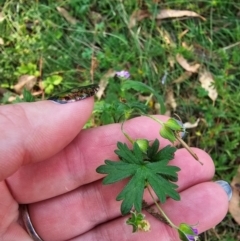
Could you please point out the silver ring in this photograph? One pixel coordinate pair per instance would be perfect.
(28, 224)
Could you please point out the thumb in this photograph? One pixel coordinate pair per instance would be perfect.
(32, 132)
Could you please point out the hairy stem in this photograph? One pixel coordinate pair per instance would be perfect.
(160, 210)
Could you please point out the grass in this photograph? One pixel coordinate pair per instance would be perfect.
(61, 52)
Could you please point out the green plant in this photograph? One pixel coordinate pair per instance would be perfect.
(29, 69)
(35, 32)
(147, 167)
(50, 82)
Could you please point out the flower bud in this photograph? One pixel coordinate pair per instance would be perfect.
(187, 232)
(143, 144)
(167, 133)
(173, 125)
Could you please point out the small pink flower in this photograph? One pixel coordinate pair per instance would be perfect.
(123, 74)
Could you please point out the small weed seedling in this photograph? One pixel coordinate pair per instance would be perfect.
(147, 166)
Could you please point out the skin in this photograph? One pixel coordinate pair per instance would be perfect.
(46, 161)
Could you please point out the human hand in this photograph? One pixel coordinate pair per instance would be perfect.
(47, 163)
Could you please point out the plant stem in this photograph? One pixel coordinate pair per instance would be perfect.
(126, 135)
(188, 148)
(148, 100)
(155, 119)
(179, 139)
(160, 210)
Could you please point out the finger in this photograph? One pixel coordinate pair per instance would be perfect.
(32, 132)
(76, 164)
(204, 204)
(9, 228)
(96, 203)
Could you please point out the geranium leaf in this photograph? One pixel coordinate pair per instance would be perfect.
(166, 153)
(143, 168)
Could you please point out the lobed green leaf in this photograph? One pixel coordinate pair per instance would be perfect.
(132, 193)
(167, 153)
(116, 171)
(127, 155)
(150, 167)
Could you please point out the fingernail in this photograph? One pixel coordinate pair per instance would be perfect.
(75, 94)
(226, 187)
